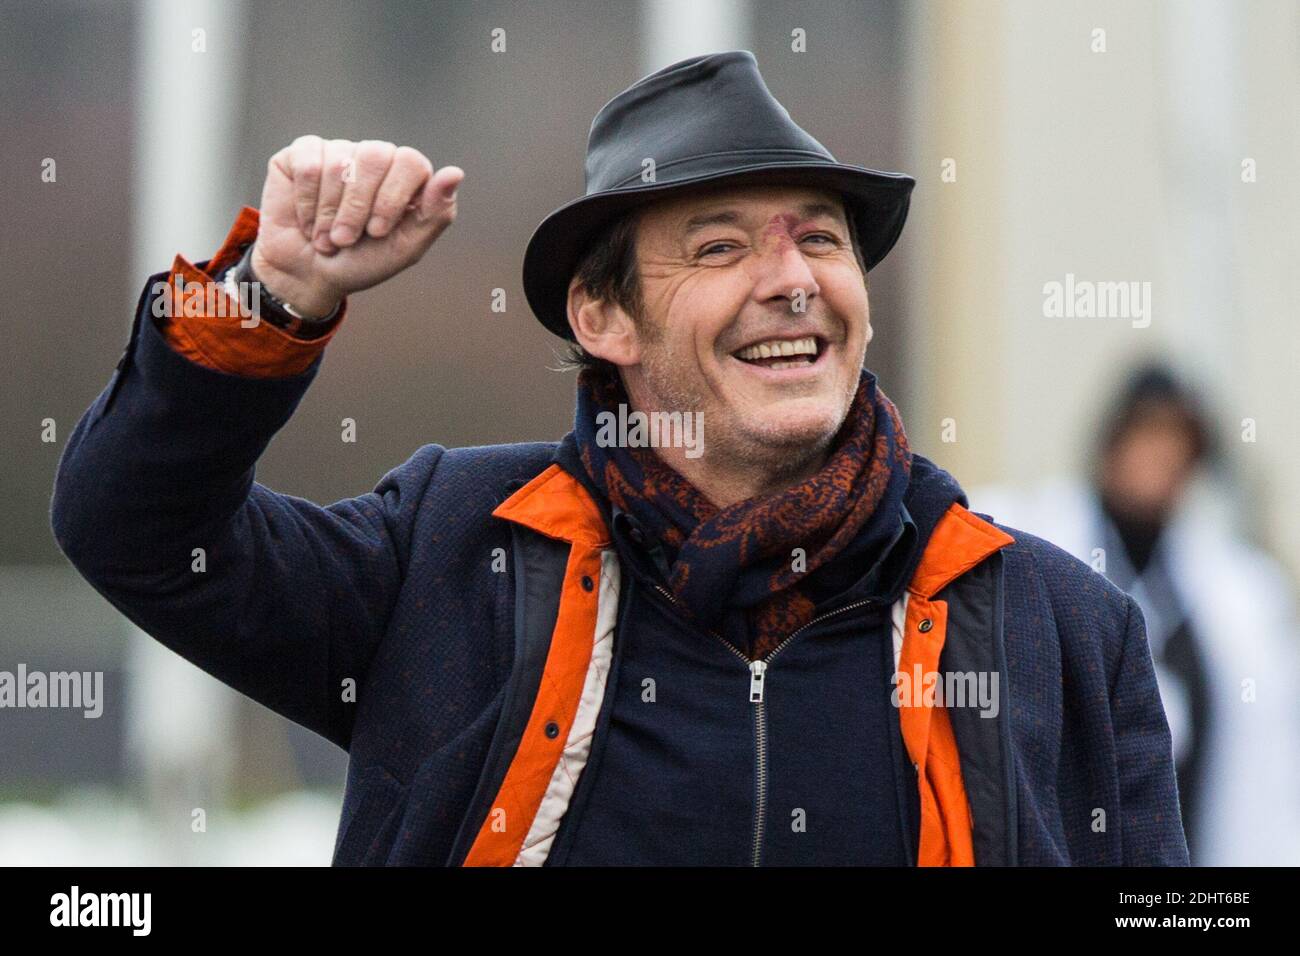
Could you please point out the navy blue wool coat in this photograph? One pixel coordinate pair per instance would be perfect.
(402, 591)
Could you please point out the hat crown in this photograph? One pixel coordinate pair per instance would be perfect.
(707, 120)
(705, 106)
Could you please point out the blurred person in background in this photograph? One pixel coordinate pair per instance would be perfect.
(1219, 612)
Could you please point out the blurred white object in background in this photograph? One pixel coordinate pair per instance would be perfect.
(96, 827)
(180, 742)
(181, 730)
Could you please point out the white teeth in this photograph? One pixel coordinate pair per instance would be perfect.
(780, 348)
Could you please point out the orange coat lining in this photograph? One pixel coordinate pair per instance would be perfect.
(219, 341)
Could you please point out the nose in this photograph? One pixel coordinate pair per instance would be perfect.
(780, 272)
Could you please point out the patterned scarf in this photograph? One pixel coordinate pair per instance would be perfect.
(743, 556)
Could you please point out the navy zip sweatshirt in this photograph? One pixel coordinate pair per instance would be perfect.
(688, 768)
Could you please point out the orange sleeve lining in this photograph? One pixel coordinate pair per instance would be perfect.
(215, 337)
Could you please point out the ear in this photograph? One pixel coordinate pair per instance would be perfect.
(602, 328)
(871, 332)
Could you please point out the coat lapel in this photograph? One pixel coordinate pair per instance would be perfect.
(566, 594)
(951, 622)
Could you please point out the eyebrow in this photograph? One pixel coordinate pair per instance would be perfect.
(730, 217)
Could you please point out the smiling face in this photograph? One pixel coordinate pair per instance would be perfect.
(755, 313)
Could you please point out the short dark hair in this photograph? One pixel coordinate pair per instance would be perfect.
(608, 271)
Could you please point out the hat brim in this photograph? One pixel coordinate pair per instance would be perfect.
(879, 200)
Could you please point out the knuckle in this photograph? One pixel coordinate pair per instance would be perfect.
(338, 156)
(396, 192)
(307, 162)
(375, 147)
(388, 205)
(354, 204)
(374, 156)
(408, 156)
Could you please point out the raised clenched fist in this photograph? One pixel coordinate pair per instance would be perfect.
(339, 216)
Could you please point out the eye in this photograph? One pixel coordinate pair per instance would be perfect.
(714, 247)
(822, 235)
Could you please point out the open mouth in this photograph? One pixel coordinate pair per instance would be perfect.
(778, 354)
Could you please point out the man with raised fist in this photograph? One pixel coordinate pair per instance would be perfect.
(729, 619)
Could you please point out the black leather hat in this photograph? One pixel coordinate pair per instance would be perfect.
(706, 119)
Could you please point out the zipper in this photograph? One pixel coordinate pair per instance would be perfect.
(757, 685)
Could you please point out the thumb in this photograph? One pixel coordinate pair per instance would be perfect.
(438, 198)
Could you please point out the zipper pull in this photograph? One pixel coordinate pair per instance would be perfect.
(756, 669)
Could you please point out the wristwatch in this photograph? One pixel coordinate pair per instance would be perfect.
(268, 306)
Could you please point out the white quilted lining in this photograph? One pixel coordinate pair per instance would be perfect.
(898, 617)
(559, 792)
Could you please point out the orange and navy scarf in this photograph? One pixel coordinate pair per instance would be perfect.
(743, 556)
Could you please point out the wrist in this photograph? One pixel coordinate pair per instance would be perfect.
(312, 304)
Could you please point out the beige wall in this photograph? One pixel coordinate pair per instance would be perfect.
(1122, 165)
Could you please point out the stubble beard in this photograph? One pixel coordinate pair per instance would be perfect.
(771, 453)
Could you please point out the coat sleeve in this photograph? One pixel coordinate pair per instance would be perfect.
(156, 505)
(194, 323)
(1150, 818)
